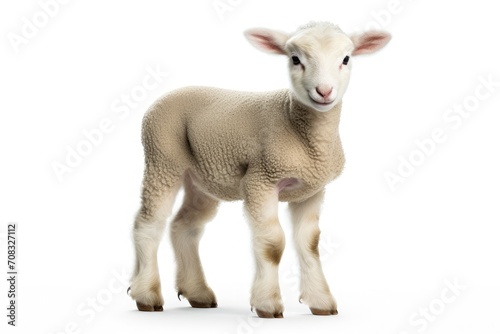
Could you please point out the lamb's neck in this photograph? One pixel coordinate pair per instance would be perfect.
(315, 128)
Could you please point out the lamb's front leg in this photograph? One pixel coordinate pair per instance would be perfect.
(313, 286)
(261, 205)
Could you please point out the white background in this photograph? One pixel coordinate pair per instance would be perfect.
(387, 254)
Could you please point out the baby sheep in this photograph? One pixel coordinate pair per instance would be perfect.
(261, 148)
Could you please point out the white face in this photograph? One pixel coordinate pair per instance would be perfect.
(319, 59)
(319, 65)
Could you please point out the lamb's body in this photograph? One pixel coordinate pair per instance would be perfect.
(223, 137)
(261, 148)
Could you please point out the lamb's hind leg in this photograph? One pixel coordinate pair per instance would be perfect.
(313, 287)
(158, 194)
(185, 232)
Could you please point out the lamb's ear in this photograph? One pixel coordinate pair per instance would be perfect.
(369, 42)
(267, 40)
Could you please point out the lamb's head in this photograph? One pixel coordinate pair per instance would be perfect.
(319, 58)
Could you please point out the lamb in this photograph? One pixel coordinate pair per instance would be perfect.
(259, 147)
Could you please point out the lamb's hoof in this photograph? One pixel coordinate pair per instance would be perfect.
(205, 299)
(149, 308)
(196, 304)
(316, 311)
(264, 314)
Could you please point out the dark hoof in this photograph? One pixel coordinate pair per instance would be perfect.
(316, 311)
(196, 304)
(268, 315)
(149, 308)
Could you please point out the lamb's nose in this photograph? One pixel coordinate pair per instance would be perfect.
(324, 91)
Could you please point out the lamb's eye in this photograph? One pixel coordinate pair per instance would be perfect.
(346, 60)
(295, 60)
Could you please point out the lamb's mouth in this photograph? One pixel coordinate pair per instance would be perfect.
(324, 104)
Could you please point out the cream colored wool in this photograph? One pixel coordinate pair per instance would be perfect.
(257, 147)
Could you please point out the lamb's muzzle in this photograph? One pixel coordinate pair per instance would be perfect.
(261, 148)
